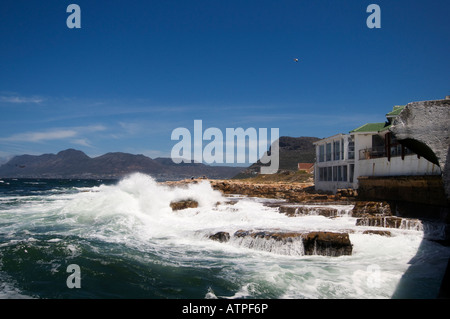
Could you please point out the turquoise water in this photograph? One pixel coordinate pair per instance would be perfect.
(128, 243)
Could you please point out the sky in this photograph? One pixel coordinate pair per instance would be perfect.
(137, 70)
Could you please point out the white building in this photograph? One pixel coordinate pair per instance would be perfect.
(369, 150)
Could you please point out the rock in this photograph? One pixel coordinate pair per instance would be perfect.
(183, 204)
(347, 192)
(299, 210)
(390, 222)
(220, 236)
(327, 244)
(424, 128)
(277, 236)
(320, 197)
(378, 232)
(290, 192)
(362, 209)
(314, 243)
(380, 221)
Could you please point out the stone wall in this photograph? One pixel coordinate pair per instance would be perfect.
(427, 189)
(409, 196)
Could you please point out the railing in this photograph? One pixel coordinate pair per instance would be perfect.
(380, 151)
(373, 152)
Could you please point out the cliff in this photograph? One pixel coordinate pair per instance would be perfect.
(424, 128)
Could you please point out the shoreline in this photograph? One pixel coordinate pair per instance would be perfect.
(291, 192)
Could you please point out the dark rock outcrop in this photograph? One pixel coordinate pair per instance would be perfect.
(424, 128)
(313, 243)
(183, 204)
(327, 244)
(221, 236)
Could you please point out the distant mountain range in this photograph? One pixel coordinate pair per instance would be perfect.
(73, 163)
(76, 164)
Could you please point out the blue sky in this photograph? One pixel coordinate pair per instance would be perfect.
(137, 70)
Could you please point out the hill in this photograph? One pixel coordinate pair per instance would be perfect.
(72, 163)
(292, 150)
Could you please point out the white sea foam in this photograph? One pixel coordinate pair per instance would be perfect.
(136, 213)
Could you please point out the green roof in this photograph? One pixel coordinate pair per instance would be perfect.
(370, 127)
(396, 110)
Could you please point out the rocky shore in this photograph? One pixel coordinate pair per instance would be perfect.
(298, 199)
(290, 192)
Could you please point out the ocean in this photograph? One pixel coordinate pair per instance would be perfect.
(126, 242)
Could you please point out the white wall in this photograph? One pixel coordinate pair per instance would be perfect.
(411, 165)
(333, 186)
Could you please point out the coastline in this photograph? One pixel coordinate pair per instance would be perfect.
(291, 192)
(369, 212)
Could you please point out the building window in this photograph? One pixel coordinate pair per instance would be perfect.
(351, 172)
(337, 150)
(334, 173)
(323, 174)
(351, 149)
(328, 152)
(342, 149)
(321, 153)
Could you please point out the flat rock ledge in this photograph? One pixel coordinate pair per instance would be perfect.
(183, 204)
(390, 222)
(385, 233)
(302, 210)
(371, 208)
(314, 243)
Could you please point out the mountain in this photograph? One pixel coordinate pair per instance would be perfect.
(72, 163)
(292, 150)
(76, 164)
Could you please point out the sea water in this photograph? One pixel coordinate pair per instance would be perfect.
(129, 243)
